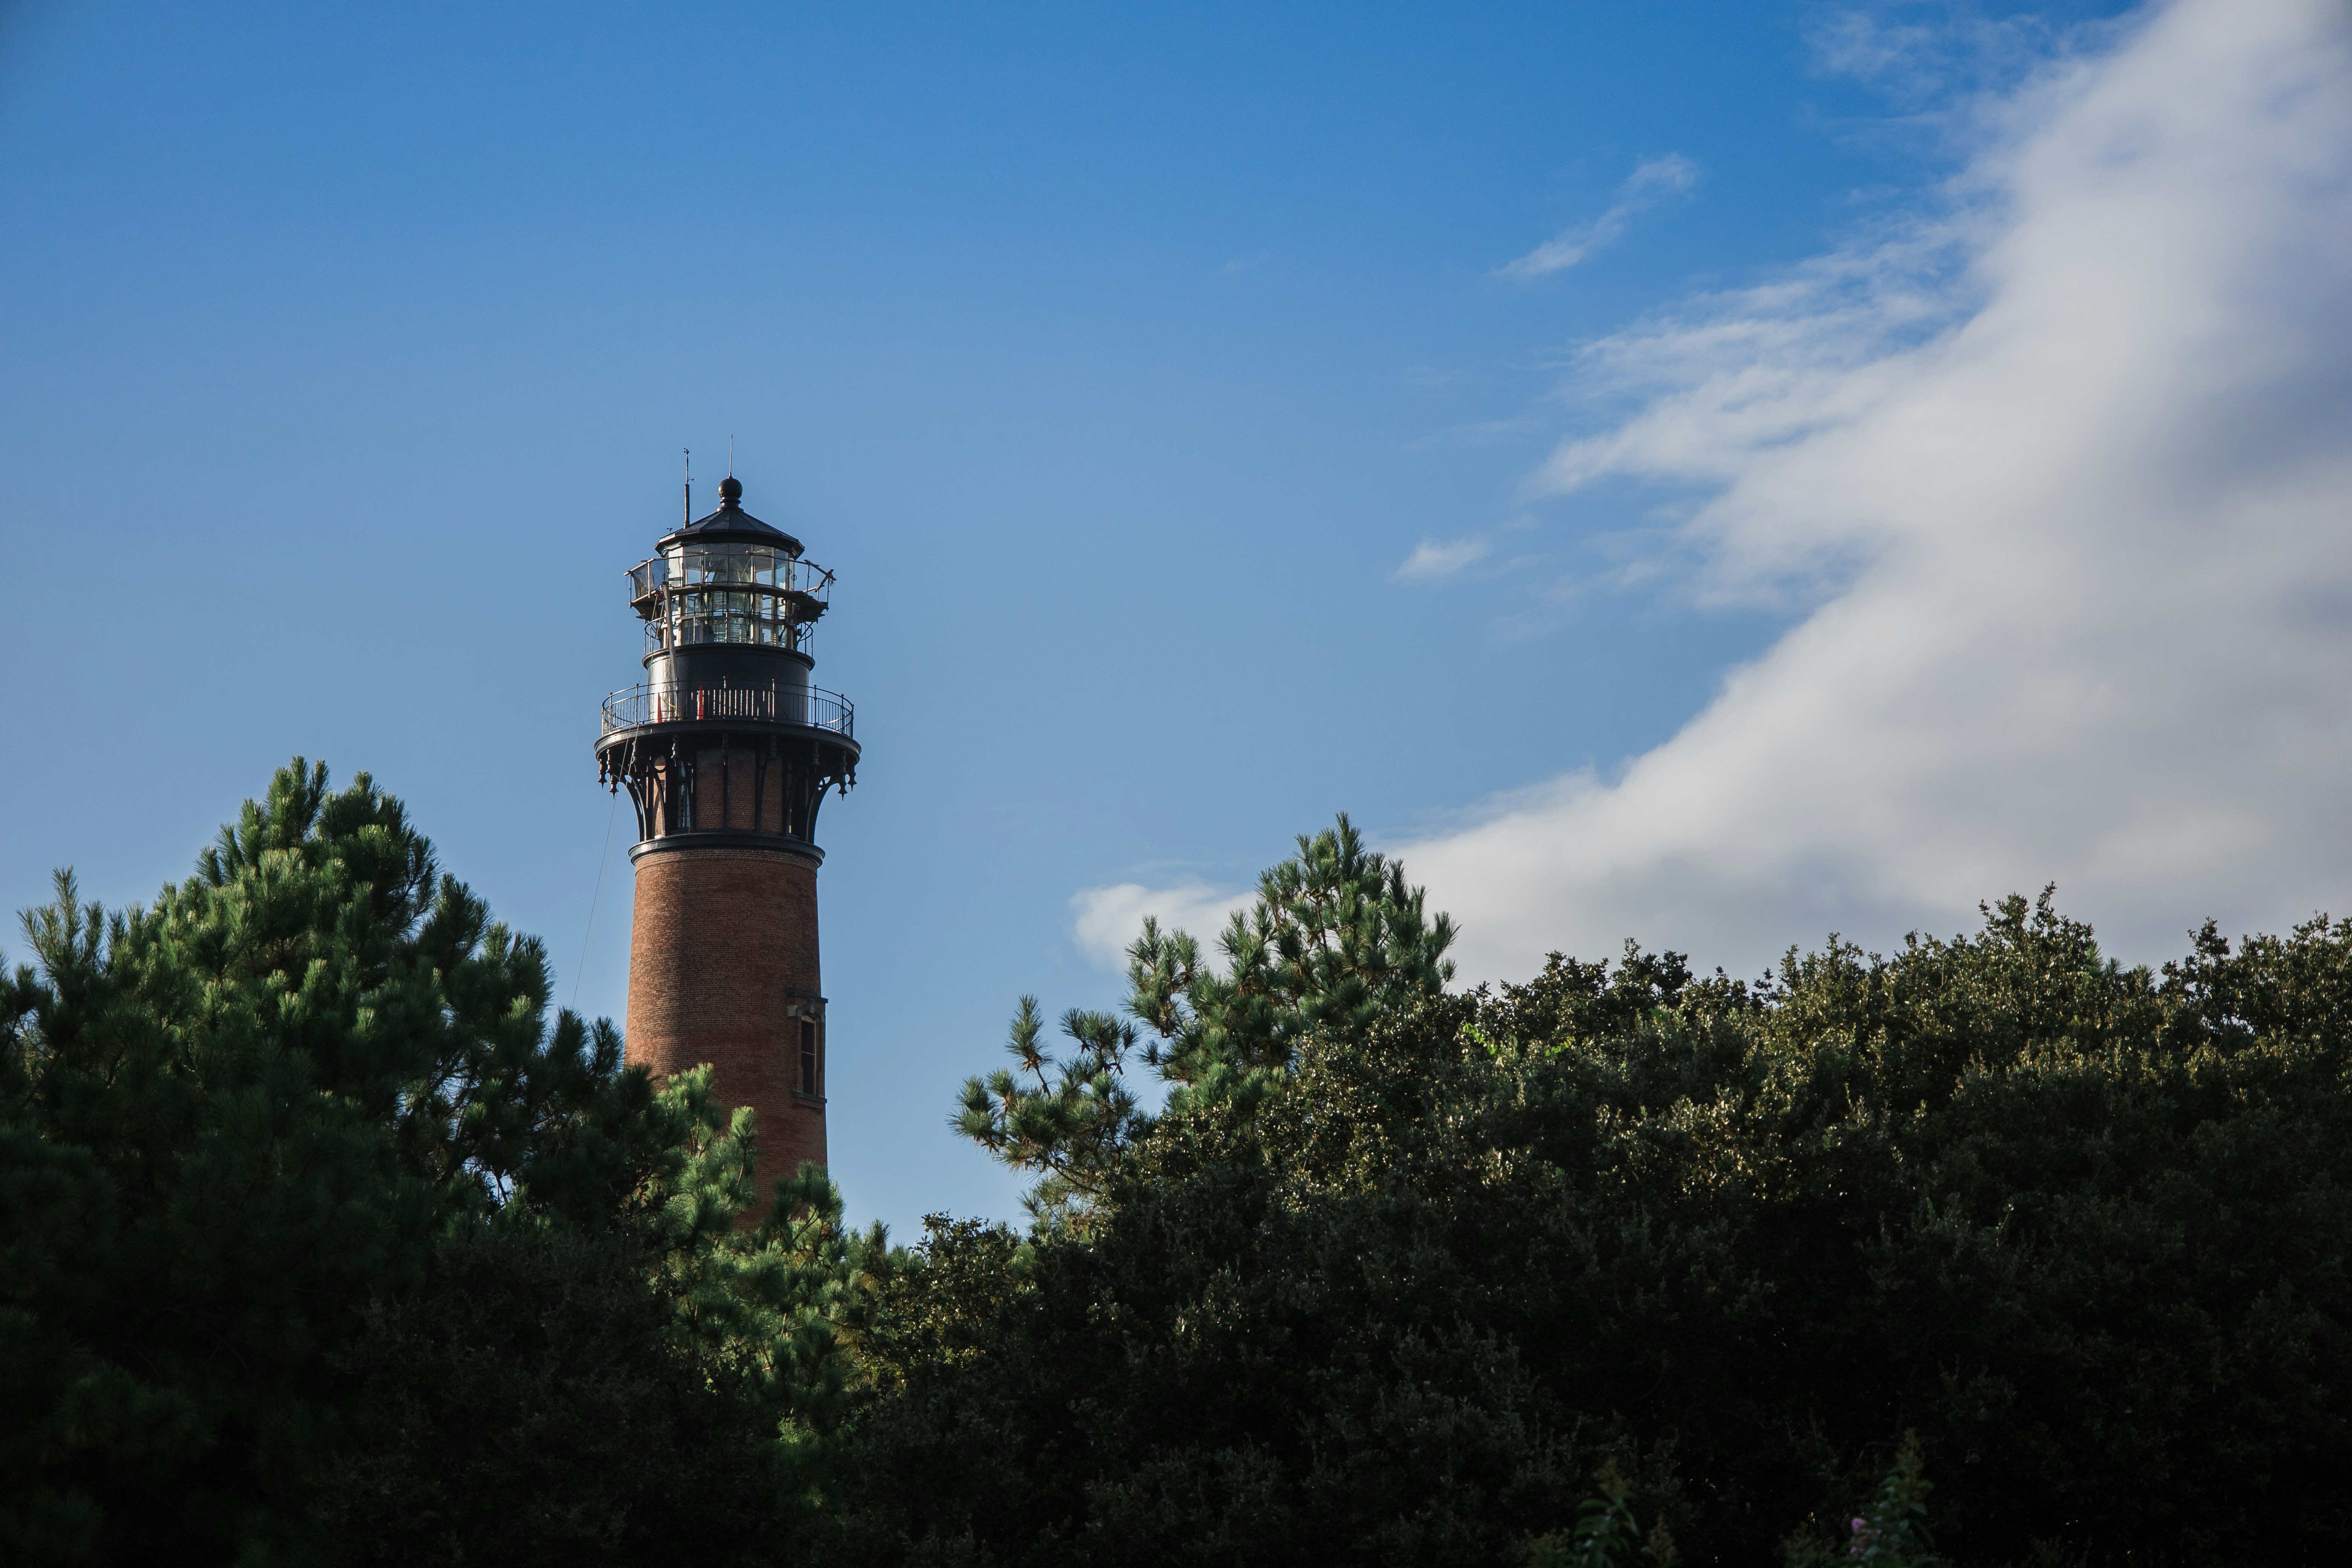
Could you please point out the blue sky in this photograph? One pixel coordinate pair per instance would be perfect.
(1124, 363)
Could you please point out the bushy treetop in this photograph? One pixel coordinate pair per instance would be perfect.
(236, 1123)
(2082, 1227)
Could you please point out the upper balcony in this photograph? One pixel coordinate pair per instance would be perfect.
(764, 702)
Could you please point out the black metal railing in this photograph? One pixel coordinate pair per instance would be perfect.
(768, 702)
(728, 566)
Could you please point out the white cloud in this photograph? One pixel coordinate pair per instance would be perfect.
(2067, 476)
(1920, 57)
(1106, 919)
(1434, 562)
(1651, 182)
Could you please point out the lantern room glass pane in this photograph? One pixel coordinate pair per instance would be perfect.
(728, 563)
(726, 592)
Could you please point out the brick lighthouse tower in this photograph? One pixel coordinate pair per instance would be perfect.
(727, 752)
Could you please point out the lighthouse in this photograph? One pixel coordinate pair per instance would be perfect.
(727, 751)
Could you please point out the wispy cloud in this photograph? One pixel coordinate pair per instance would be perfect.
(1651, 183)
(2061, 470)
(1434, 560)
(1918, 56)
(1106, 919)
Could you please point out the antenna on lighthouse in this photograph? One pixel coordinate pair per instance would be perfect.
(690, 481)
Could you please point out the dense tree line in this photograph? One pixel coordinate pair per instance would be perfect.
(1391, 1278)
(321, 1240)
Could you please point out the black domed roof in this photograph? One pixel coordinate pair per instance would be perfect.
(730, 524)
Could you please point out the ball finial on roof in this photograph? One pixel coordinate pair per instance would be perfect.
(731, 491)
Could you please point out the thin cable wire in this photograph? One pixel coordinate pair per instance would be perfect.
(579, 970)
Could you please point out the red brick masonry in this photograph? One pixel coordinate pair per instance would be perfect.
(722, 957)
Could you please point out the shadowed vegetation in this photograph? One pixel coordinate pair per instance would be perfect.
(322, 1239)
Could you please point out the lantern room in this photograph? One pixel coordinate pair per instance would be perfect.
(728, 580)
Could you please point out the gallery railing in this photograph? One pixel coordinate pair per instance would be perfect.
(773, 702)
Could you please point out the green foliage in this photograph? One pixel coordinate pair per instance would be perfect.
(1604, 1535)
(1892, 1532)
(238, 1129)
(664, 1385)
(934, 1306)
(319, 1237)
(764, 1306)
(532, 1404)
(2082, 1227)
(1335, 939)
(1070, 1126)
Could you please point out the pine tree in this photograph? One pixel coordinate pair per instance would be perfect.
(662, 1388)
(234, 1123)
(1335, 938)
(1067, 1120)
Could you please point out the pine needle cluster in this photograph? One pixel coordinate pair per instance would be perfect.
(1335, 938)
